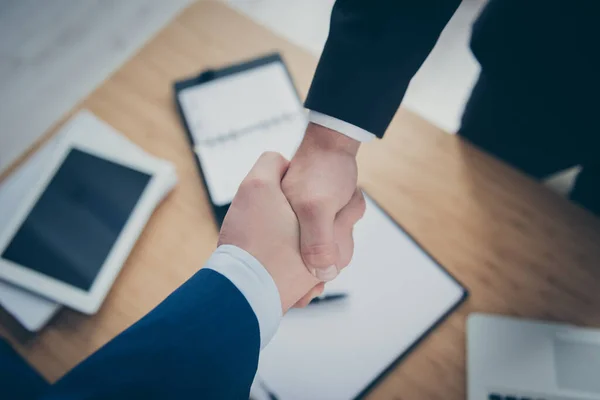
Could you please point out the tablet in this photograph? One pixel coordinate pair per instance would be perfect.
(71, 235)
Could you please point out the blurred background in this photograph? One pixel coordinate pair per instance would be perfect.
(54, 53)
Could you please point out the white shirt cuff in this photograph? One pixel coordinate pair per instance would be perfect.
(254, 282)
(343, 127)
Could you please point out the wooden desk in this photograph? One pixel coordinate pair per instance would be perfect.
(520, 249)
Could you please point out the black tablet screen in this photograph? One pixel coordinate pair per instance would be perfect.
(77, 219)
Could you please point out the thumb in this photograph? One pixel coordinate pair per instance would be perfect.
(317, 242)
(269, 168)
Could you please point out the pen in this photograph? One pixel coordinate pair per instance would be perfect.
(328, 297)
(271, 395)
(260, 391)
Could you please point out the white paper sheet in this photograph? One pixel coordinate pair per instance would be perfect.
(234, 119)
(31, 310)
(335, 350)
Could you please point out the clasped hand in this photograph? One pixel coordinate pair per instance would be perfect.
(297, 218)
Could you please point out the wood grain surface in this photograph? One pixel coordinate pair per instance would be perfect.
(519, 248)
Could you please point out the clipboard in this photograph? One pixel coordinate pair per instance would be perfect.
(273, 358)
(213, 77)
(398, 294)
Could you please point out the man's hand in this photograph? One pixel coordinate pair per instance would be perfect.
(320, 184)
(261, 221)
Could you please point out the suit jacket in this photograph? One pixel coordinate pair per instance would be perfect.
(202, 342)
(543, 51)
(17, 379)
(373, 50)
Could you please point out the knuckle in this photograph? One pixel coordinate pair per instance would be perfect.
(347, 253)
(286, 185)
(345, 220)
(254, 183)
(271, 159)
(268, 154)
(273, 155)
(362, 202)
(320, 255)
(362, 206)
(314, 206)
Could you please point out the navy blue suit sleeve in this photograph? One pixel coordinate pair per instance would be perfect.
(373, 50)
(18, 380)
(202, 342)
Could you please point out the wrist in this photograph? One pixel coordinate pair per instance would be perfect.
(326, 139)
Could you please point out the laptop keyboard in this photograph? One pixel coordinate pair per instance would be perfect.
(495, 396)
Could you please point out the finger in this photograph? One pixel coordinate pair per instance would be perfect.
(317, 240)
(307, 298)
(345, 242)
(353, 211)
(344, 226)
(269, 168)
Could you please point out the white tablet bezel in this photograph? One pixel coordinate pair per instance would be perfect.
(85, 301)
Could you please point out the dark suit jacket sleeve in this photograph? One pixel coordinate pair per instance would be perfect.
(18, 380)
(373, 50)
(202, 342)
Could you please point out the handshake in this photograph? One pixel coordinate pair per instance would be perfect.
(297, 217)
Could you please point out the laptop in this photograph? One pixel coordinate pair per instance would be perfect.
(518, 359)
